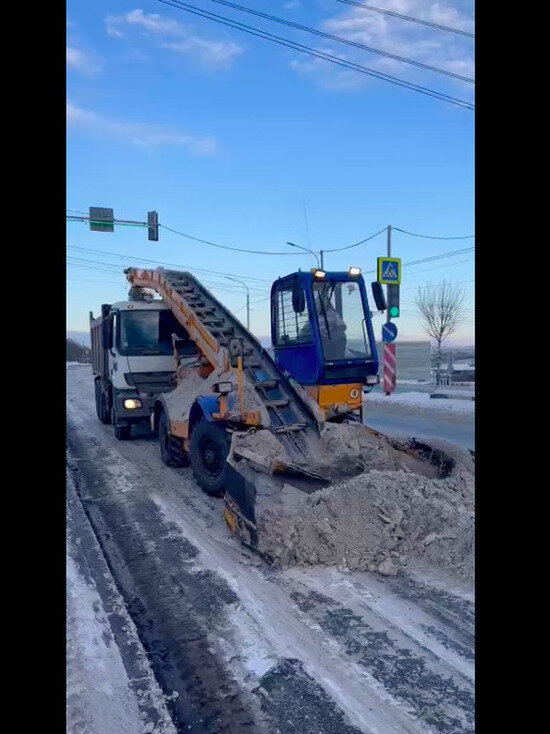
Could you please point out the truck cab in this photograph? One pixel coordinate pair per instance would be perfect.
(133, 359)
(321, 332)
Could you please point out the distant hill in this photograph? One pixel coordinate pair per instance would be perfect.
(80, 337)
(77, 352)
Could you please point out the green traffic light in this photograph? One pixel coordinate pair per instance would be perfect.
(394, 311)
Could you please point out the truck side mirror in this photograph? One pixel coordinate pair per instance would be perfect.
(236, 350)
(298, 299)
(379, 297)
(107, 333)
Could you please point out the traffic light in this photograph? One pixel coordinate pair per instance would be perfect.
(393, 301)
(153, 226)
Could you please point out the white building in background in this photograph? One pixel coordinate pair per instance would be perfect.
(413, 360)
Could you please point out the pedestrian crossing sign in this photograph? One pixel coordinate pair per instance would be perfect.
(389, 270)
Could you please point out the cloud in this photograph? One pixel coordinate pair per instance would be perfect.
(81, 61)
(335, 77)
(137, 133)
(171, 34)
(410, 40)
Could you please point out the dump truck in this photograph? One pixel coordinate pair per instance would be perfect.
(255, 428)
(132, 361)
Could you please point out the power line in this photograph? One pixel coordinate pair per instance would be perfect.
(316, 53)
(226, 247)
(440, 256)
(433, 237)
(88, 280)
(158, 262)
(409, 17)
(438, 267)
(339, 39)
(213, 286)
(348, 247)
(112, 269)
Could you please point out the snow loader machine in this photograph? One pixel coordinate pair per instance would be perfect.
(251, 425)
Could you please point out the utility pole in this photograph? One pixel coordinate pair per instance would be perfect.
(322, 260)
(388, 317)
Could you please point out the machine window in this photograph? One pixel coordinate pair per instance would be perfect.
(291, 327)
(341, 319)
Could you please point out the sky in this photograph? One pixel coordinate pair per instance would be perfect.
(249, 144)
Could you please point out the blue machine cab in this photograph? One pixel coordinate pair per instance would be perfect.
(321, 332)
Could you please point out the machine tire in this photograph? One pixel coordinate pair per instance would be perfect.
(103, 413)
(168, 455)
(208, 450)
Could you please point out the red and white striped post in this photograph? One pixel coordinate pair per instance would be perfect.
(390, 368)
(389, 361)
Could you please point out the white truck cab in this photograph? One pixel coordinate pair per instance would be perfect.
(133, 362)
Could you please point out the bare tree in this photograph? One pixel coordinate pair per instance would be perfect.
(441, 310)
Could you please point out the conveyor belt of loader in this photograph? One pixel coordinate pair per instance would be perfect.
(292, 420)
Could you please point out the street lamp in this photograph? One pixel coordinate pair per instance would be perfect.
(319, 264)
(241, 282)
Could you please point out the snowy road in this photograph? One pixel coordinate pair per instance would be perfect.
(400, 420)
(233, 644)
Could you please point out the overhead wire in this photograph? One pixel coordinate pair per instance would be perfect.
(410, 18)
(225, 247)
(339, 39)
(433, 237)
(356, 244)
(112, 269)
(251, 30)
(158, 262)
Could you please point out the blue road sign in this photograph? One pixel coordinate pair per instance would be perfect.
(389, 332)
(389, 270)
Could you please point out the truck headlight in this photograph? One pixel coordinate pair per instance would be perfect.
(354, 271)
(132, 403)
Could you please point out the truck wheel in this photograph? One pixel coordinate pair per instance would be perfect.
(123, 433)
(208, 450)
(103, 413)
(169, 453)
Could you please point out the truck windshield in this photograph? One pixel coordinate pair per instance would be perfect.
(143, 332)
(342, 320)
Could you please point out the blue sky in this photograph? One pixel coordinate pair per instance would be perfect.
(242, 142)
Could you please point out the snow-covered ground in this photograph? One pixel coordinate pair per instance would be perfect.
(102, 696)
(245, 647)
(99, 699)
(422, 401)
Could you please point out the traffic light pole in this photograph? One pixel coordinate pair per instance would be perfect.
(102, 219)
(388, 317)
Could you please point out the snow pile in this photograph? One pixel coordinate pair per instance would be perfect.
(344, 450)
(378, 520)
